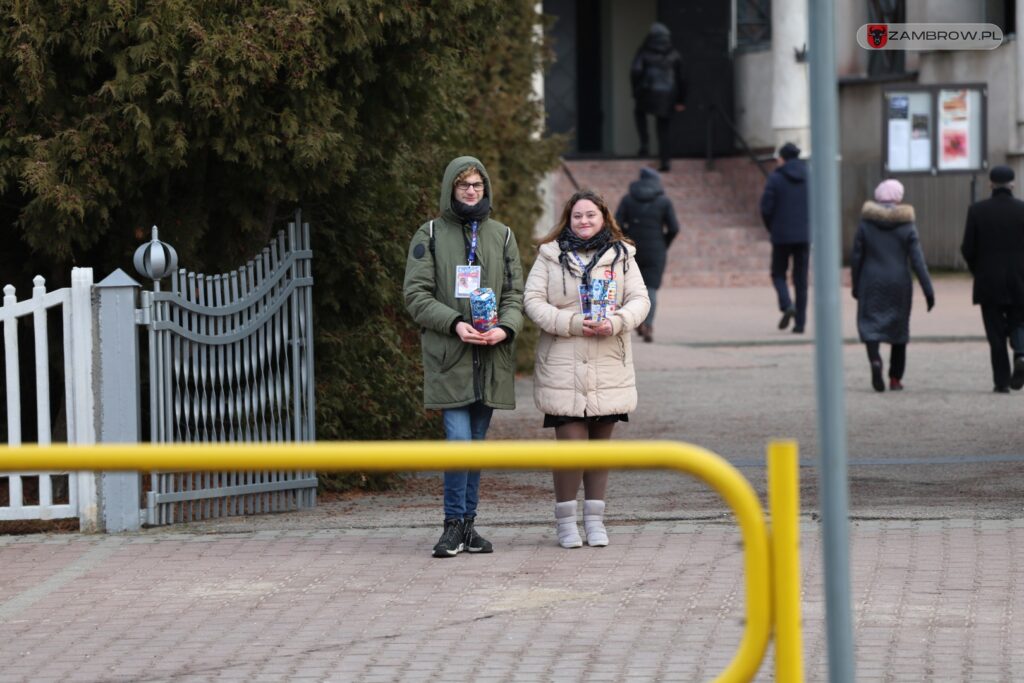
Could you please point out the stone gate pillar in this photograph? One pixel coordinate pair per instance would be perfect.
(117, 396)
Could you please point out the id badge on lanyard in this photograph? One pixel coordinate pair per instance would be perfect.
(467, 278)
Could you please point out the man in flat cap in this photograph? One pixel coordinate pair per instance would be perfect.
(993, 247)
(784, 211)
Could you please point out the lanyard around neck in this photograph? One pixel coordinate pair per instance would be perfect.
(472, 242)
(586, 267)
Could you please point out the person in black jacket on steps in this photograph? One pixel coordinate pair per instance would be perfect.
(659, 89)
(646, 216)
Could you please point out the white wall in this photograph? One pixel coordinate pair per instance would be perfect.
(945, 11)
(753, 89)
(938, 12)
(851, 58)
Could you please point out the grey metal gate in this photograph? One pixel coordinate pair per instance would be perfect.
(230, 359)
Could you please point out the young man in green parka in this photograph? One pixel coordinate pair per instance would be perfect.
(467, 373)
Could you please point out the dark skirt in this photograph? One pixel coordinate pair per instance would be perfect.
(559, 420)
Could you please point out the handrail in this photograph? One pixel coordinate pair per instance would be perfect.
(568, 173)
(715, 109)
(439, 455)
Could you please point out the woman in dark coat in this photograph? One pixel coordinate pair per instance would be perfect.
(648, 218)
(886, 241)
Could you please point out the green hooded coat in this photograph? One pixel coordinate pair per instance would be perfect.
(458, 374)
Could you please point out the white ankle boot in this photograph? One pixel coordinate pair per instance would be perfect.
(593, 522)
(568, 532)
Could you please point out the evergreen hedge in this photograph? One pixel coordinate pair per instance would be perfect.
(215, 119)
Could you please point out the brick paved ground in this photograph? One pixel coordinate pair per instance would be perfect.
(932, 601)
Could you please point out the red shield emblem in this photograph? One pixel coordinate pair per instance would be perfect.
(878, 35)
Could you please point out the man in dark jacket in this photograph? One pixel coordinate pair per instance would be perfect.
(993, 247)
(646, 216)
(784, 210)
(467, 372)
(658, 88)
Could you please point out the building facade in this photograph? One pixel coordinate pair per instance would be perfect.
(747, 60)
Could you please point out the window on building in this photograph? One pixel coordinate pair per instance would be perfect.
(887, 62)
(753, 22)
(1003, 14)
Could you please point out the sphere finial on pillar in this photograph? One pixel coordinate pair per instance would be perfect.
(155, 259)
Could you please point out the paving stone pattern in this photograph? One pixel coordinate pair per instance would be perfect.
(932, 601)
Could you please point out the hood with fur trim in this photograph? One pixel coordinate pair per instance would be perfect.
(887, 215)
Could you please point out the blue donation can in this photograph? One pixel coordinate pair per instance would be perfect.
(484, 306)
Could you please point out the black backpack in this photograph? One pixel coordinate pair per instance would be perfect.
(659, 77)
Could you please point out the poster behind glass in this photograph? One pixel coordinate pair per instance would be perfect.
(908, 119)
(959, 141)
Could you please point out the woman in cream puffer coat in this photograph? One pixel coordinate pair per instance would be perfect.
(583, 376)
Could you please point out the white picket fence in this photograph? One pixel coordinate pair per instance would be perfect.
(55, 495)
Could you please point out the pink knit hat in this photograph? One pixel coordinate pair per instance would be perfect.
(889, 192)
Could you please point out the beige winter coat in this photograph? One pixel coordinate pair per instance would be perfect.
(576, 375)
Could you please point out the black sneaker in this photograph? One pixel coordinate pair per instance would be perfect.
(1017, 379)
(450, 544)
(472, 541)
(787, 317)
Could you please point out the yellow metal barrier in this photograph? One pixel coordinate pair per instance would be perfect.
(784, 504)
(441, 455)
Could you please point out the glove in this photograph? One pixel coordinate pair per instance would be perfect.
(930, 298)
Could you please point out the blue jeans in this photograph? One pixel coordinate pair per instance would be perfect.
(462, 488)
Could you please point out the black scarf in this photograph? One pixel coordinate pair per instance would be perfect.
(478, 212)
(568, 241)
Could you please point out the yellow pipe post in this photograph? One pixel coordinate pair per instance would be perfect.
(440, 455)
(784, 504)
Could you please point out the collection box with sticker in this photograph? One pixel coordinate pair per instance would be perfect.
(484, 307)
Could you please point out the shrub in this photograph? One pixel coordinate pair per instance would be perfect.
(215, 120)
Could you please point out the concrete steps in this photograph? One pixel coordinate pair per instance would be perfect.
(722, 242)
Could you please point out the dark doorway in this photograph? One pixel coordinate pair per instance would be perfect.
(700, 31)
(586, 91)
(590, 117)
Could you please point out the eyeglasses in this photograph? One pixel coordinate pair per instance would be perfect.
(465, 186)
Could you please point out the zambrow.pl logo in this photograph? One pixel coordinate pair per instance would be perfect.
(929, 36)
